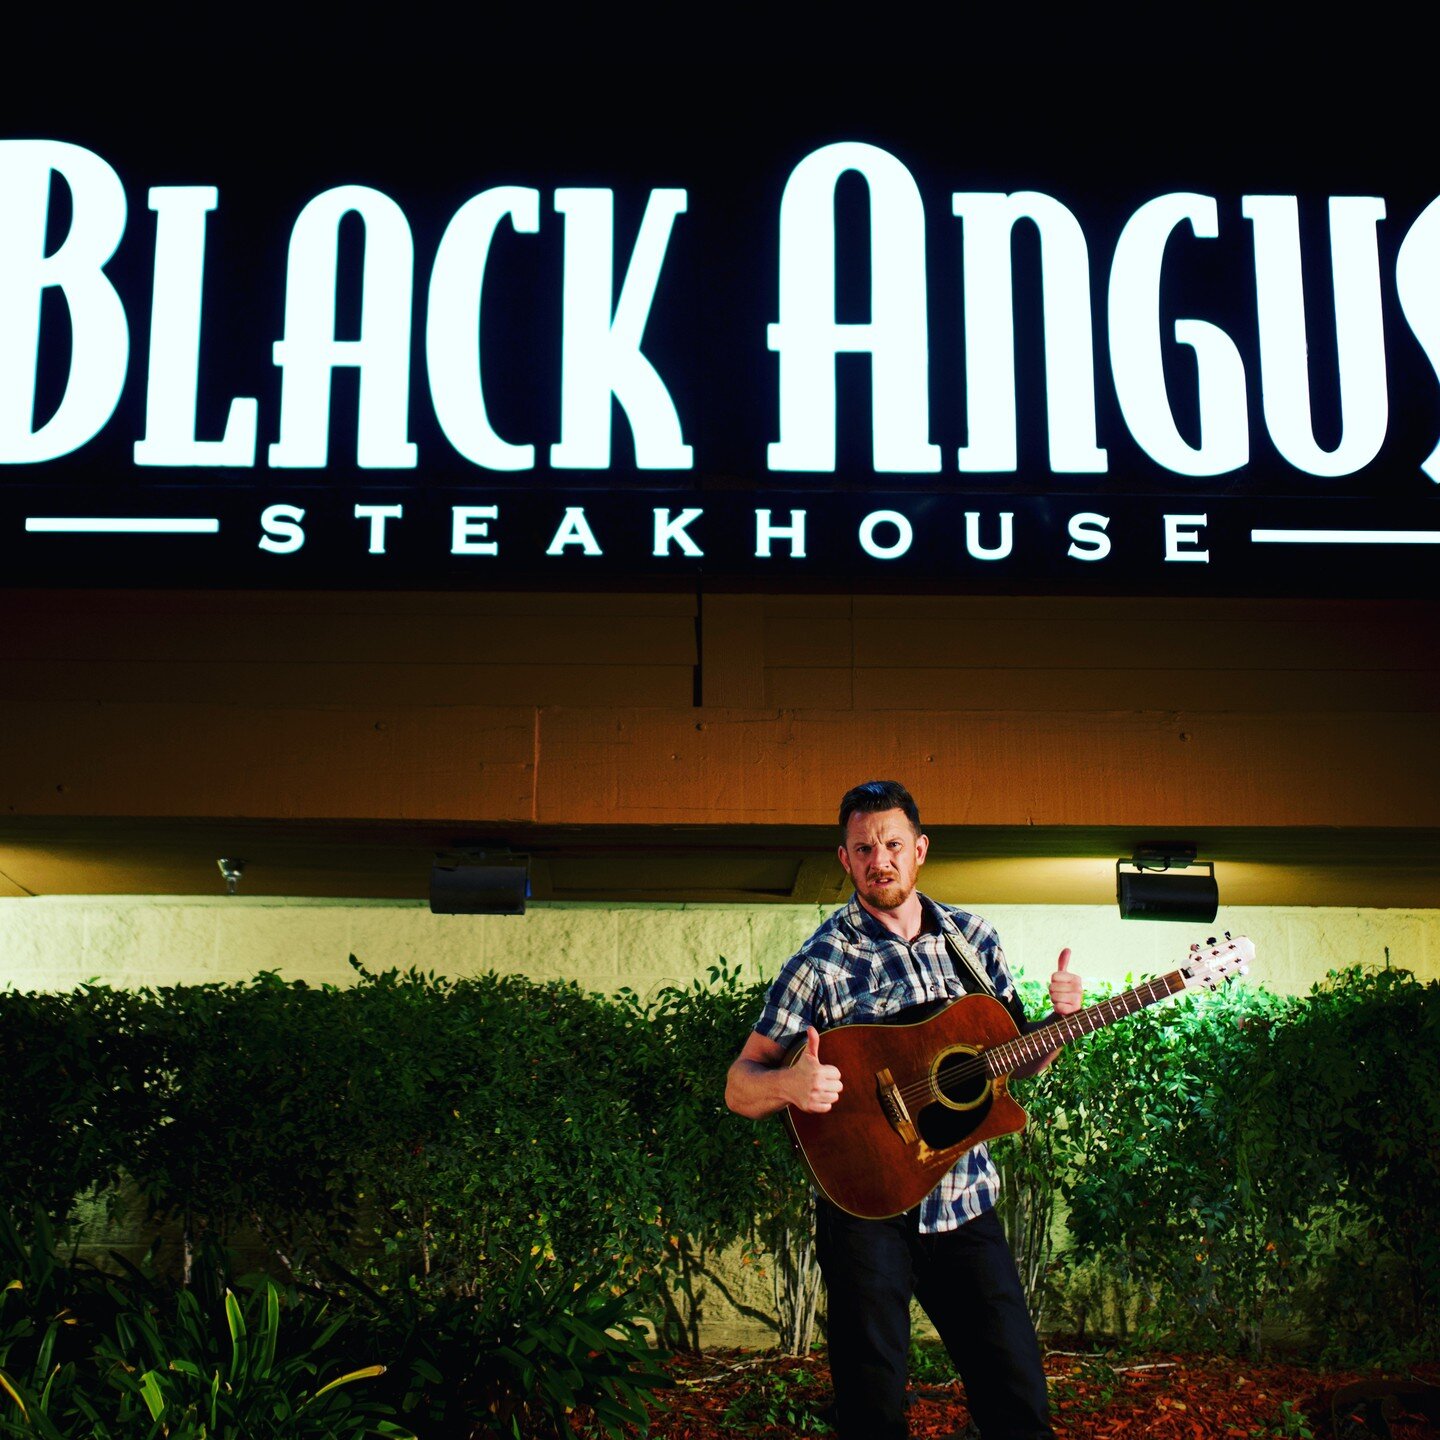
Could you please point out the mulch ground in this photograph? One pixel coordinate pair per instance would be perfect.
(1098, 1397)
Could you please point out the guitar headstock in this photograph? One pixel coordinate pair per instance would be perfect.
(1209, 965)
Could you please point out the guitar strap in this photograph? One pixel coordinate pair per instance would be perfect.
(976, 978)
(968, 965)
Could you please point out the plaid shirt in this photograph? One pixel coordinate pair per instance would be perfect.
(854, 969)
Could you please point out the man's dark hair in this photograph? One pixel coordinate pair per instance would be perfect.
(874, 796)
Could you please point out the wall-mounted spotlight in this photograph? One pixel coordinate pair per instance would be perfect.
(1153, 889)
(479, 882)
(230, 873)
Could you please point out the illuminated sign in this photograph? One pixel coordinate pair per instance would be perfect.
(1020, 403)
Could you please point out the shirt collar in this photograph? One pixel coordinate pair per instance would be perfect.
(865, 925)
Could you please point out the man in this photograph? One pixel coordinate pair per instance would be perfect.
(890, 948)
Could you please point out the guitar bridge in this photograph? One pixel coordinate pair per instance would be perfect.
(893, 1104)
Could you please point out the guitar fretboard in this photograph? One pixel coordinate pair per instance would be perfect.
(1036, 1044)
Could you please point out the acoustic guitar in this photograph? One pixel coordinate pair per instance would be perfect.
(924, 1088)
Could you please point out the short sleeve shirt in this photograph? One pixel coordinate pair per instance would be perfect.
(853, 969)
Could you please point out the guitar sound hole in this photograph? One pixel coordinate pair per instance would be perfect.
(961, 1078)
(967, 1096)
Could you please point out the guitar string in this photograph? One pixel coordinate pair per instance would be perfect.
(1103, 1013)
(1033, 1044)
(1067, 1027)
(977, 1066)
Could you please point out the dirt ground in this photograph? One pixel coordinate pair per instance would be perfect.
(1093, 1395)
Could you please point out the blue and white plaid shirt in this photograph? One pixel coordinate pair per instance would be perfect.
(854, 969)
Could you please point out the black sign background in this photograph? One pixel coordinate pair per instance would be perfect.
(732, 147)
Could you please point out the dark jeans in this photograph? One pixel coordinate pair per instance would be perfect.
(965, 1280)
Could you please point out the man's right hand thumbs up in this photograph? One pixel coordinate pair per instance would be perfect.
(816, 1086)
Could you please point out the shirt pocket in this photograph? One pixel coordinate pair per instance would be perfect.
(841, 991)
(881, 994)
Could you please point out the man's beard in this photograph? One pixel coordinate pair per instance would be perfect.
(887, 894)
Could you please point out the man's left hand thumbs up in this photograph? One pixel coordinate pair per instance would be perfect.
(1065, 986)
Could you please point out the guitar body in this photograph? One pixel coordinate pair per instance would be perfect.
(916, 1097)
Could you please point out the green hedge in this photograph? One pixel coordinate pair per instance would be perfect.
(1220, 1167)
(1246, 1164)
(429, 1132)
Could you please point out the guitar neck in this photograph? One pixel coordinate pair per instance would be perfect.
(1045, 1039)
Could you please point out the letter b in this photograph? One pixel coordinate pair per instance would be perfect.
(100, 349)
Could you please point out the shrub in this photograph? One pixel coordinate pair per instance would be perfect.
(721, 1180)
(1248, 1160)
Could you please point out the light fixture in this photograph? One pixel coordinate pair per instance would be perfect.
(1152, 890)
(230, 873)
(479, 882)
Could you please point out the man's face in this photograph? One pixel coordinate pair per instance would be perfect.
(882, 854)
